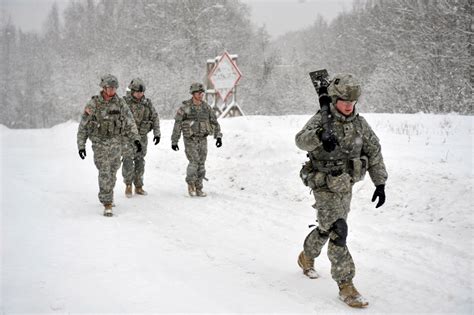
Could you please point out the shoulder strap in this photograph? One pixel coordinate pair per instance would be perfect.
(96, 112)
(358, 120)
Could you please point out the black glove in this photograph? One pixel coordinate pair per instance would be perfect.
(82, 153)
(329, 141)
(175, 147)
(219, 142)
(156, 139)
(138, 145)
(379, 192)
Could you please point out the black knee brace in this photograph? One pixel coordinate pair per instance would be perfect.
(340, 229)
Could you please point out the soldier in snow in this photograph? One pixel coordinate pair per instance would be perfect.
(106, 119)
(146, 119)
(336, 163)
(196, 119)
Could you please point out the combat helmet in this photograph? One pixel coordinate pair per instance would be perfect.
(137, 85)
(196, 87)
(109, 80)
(345, 87)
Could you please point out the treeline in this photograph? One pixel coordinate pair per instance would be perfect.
(48, 77)
(411, 55)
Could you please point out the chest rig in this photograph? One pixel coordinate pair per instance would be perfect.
(196, 121)
(106, 119)
(347, 157)
(141, 112)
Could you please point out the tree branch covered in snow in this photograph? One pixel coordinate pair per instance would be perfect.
(412, 56)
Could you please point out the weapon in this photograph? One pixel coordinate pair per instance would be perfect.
(320, 80)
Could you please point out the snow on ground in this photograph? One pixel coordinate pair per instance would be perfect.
(235, 251)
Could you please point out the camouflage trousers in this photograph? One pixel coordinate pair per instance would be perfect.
(331, 207)
(196, 152)
(133, 167)
(107, 161)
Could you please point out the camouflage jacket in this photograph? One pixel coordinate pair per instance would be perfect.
(145, 115)
(195, 121)
(356, 139)
(105, 122)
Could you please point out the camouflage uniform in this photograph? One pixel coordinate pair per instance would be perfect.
(146, 119)
(333, 175)
(105, 123)
(196, 123)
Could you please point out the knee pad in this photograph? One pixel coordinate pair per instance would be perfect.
(340, 229)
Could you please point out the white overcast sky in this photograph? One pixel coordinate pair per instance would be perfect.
(279, 16)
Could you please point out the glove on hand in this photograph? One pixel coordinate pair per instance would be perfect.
(82, 153)
(379, 192)
(329, 141)
(175, 147)
(138, 145)
(156, 139)
(219, 142)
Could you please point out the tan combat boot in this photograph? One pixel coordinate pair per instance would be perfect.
(307, 264)
(200, 193)
(128, 191)
(108, 210)
(191, 190)
(140, 191)
(349, 295)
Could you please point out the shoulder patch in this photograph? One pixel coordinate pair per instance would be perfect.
(87, 110)
(180, 111)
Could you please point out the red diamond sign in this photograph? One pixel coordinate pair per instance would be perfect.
(225, 76)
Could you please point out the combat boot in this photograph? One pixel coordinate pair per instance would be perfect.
(307, 264)
(108, 210)
(192, 190)
(200, 193)
(128, 191)
(349, 295)
(140, 191)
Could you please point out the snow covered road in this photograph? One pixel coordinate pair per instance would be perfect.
(235, 251)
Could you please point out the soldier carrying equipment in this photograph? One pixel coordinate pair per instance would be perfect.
(342, 147)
